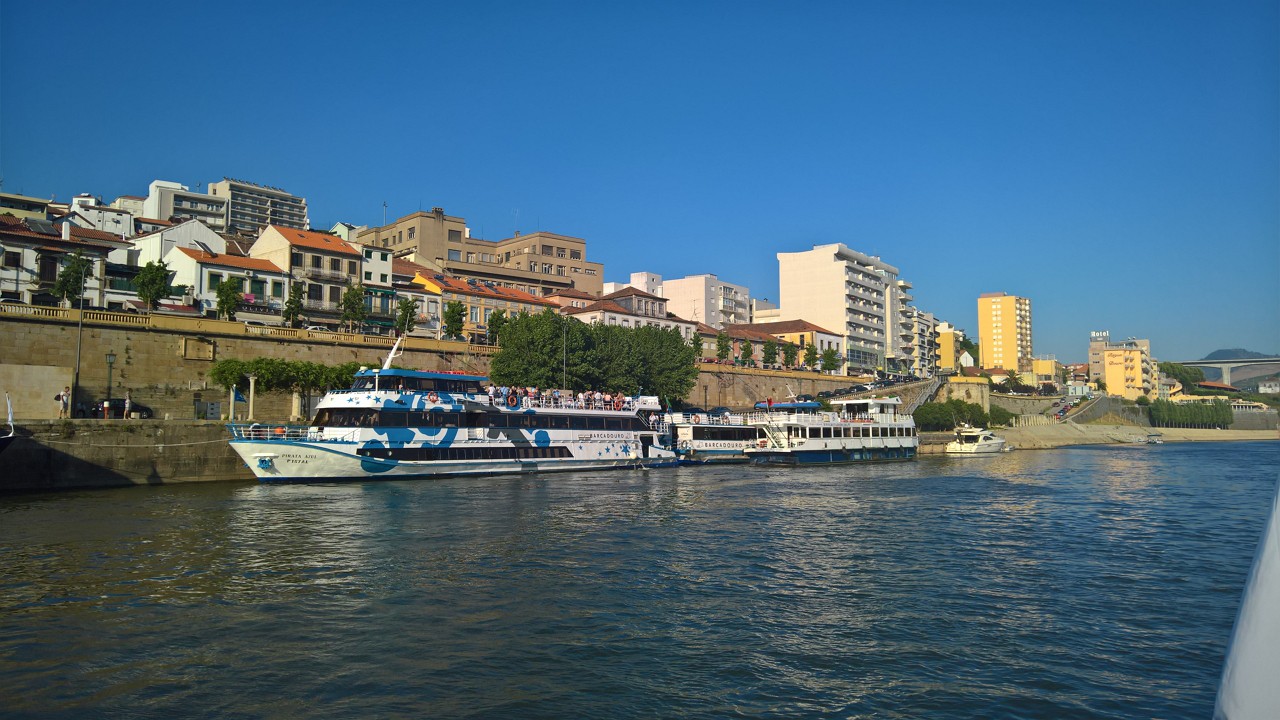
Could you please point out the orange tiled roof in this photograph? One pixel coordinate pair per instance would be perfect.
(316, 240)
(600, 306)
(573, 293)
(400, 266)
(785, 326)
(479, 289)
(235, 261)
(629, 292)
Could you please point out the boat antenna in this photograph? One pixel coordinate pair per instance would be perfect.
(393, 354)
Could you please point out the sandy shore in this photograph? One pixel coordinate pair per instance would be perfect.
(1064, 434)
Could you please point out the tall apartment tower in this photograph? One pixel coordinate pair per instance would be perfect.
(1004, 331)
(251, 207)
(858, 296)
(707, 299)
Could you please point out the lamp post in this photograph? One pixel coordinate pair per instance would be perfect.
(75, 378)
(106, 405)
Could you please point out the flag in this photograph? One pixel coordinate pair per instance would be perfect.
(240, 396)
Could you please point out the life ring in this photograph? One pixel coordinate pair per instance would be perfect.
(763, 443)
(512, 400)
(697, 419)
(617, 403)
(279, 430)
(433, 397)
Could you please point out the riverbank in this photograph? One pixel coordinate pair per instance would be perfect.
(1044, 437)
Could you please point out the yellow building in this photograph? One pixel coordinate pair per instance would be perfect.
(1004, 329)
(1129, 372)
(1046, 370)
(948, 349)
(479, 300)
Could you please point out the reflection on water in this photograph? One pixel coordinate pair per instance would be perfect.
(1037, 584)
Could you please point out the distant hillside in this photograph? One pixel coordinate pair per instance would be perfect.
(1236, 354)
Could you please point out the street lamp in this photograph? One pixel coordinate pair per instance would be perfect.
(75, 378)
(106, 405)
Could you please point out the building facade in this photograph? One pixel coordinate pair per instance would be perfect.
(539, 263)
(480, 300)
(1004, 331)
(1125, 367)
(252, 207)
(168, 200)
(707, 298)
(855, 294)
(325, 264)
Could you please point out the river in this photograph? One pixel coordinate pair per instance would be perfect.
(1082, 582)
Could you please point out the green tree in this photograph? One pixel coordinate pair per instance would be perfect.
(724, 346)
(497, 321)
(454, 319)
(229, 297)
(789, 354)
(1143, 400)
(748, 353)
(1000, 416)
(830, 360)
(1188, 376)
(69, 285)
(544, 350)
(292, 311)
(406, 315)
(769, 353)
(811, 356)
(152, 283)
(354, 310)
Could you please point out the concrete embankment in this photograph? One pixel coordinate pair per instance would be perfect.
(64, 454)
(1066, 434)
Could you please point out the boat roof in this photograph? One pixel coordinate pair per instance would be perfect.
(402, 372)
(894, 400)
(803, 405)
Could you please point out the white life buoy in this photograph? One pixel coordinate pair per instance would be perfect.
(697, 419)
(433, 397)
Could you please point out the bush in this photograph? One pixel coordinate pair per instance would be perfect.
(1000, 416)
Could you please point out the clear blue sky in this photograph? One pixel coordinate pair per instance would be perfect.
(1118, 163)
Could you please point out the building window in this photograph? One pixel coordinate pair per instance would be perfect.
(471, 257)
(315, 292)
(12, 259)
(368, 275)
(368, 254)
(277, 288)
(382, 277)
(547, 250)
(215, 279)
(475, 314)
(455, 255)
(335, 265)
(455, 236)
(352, 269)
(560, 270)
(335, 294)
(575, 254)
(412, 232)
(317, 262)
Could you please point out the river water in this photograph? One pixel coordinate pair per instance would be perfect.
(1084, 582)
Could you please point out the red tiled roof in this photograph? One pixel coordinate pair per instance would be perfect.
(479, 289)
(235, 261)
(81, 233)
(400, 266)
(629, 292)
(315, 240)
(573, 293)
(151, 221)
(1209, 385)
(600, 306)
(785, 326)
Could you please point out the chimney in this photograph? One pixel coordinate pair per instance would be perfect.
(66, 230)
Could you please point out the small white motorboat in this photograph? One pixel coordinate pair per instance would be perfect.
(976, 441)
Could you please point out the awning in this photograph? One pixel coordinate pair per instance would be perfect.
(379, 291)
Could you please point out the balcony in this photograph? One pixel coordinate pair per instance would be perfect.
(323, 274)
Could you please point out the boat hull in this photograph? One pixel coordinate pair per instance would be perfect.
(766, 456)
(274, 461)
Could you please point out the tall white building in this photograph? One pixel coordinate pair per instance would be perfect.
(707, 299)
(860, 295)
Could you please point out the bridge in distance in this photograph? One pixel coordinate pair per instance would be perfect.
(1227, 365)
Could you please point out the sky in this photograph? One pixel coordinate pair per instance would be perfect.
(1118, 163)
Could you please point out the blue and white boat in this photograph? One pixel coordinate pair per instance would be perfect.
(859, 430)
(395, 424)
(706, 438)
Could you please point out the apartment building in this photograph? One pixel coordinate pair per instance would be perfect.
(920, 346)
(33, 251)
(88, 211)
(1004, 331)
(252, 207)
(167, 200)
(480, 300)
(263, 285)
(631, 307)
(538, 263)
(948, 352)
(851, 293)
(326, 265)
(706, 298)
(1125, 366)
(23, 206)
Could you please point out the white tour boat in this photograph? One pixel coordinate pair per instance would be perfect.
(859, 430)
(395, 423)
(702, 438)
(975, 441)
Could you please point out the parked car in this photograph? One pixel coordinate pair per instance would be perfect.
(319, 328)
(719, 410)
(117, 409)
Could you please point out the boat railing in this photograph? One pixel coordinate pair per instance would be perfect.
(285, 433)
